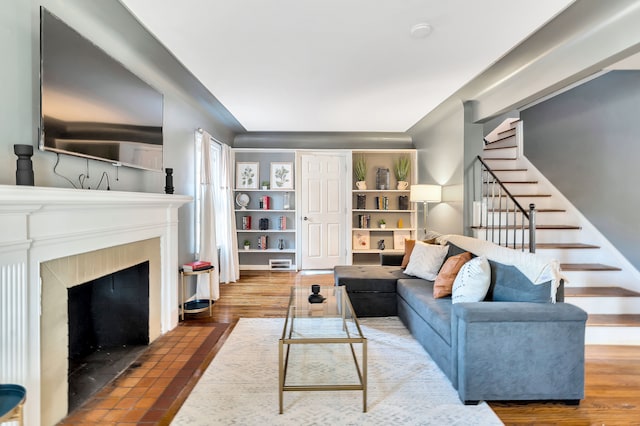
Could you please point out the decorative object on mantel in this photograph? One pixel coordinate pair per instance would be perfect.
(286, 203)
(380, 244)
(24, 165)
(401, 170)
(403, 202)
(168, 189)
(360, 172)
(242, 200)
(382, 179)
(247, 244)
(382, 223)
(361, 201)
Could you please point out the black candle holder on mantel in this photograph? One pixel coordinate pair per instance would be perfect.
(168, 189)
(24, 165)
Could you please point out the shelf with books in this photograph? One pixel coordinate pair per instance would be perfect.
(381, 213)
(265, 201)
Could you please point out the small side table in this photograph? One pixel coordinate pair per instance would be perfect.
(195, 306)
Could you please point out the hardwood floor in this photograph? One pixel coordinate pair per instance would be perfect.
(612, 372)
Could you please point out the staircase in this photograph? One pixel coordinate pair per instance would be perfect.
(599, 279)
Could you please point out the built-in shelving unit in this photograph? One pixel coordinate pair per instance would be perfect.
(381, 201)
(280, 229)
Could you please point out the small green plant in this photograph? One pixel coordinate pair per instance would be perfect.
(247, 243)
(265, 183)
(360, 168)
(401, 168)
(382, 222)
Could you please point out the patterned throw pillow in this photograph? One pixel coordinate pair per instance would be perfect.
(426, 260)
(472, 282)
(443, 285)
(408, 248)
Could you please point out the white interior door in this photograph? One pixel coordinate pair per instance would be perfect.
(323, 210)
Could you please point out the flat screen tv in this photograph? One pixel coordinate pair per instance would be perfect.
(91, 105)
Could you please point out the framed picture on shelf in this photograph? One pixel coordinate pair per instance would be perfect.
(247, 175)
(361, 240)
(398, 239)
(281, 175)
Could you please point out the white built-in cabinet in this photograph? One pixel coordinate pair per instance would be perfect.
(273, 247)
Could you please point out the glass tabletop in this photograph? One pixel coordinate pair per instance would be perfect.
(331, 317)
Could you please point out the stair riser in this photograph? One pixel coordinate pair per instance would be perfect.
(596, 335)
(552, 218)
(542, 236)
(511, 175)
(510, 152)
(595, 279)
(540, 202)
(519, 189)
(606, 305)
(508, 142)
(572, 255)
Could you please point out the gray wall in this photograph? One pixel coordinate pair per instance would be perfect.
(585, 141)
(187, 104)
(439, 140)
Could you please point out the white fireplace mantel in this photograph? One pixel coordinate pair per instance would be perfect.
(39, 224)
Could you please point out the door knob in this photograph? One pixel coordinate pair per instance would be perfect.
(305, 218)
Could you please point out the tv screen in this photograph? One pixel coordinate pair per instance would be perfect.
(91, 105)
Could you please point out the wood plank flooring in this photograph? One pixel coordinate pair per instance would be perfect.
(612, 372)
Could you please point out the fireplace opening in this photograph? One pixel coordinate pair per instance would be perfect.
(108, 329)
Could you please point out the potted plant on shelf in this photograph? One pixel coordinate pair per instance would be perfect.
(382, 223)
(360, 172)
(247, 244)
(401, 168)
(265, 185)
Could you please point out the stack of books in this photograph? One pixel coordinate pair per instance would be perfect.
(197, 265)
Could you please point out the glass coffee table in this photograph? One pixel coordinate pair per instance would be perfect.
(318, 347)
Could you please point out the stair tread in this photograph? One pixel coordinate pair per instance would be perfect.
(538, 227)
(500, 158)
(524, 195)
(509, 170)
(537, 211)
(587, 267)
(493, 148)
(506, 131)
(500, 139)
(513, 181)
(599, 292)
(548, 246)
(614, 320)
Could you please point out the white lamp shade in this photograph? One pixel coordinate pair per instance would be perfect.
(425, 193)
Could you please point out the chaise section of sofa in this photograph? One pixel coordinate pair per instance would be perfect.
(517, 344)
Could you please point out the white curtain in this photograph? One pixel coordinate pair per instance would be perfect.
(227, 240)
(218, 241)
(208, 249)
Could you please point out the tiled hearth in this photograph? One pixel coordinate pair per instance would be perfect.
(40, 225)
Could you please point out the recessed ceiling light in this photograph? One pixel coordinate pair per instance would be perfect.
(421, 30)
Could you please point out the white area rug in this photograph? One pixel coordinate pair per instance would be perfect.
(405, 387)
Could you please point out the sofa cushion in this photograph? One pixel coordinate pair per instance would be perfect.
(508, 284)
(408, 248)
(472, 282)
(426, 260)
(418, 294)
(443, 284)
(367, 278)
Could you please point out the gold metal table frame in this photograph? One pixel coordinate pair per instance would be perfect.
(336, 306)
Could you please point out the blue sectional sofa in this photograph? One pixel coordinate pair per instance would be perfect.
(514, 345)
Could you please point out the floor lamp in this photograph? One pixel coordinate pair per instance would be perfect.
(425, 194)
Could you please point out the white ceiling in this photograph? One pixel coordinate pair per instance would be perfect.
(338, 65)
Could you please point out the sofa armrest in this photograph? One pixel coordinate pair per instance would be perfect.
(391, 259)
(518, 351)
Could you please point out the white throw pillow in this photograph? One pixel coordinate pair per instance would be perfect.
(472, 282)
(426, 260)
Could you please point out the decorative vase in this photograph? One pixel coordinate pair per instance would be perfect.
(315, 296)
(168, 189)
(382, 226)
(402, 185)
(247, 247)
(403, 202)
(361, 185)
(381, 245)
(24, 165)
(361, 201)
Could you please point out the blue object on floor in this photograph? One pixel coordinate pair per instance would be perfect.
(11, 399)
